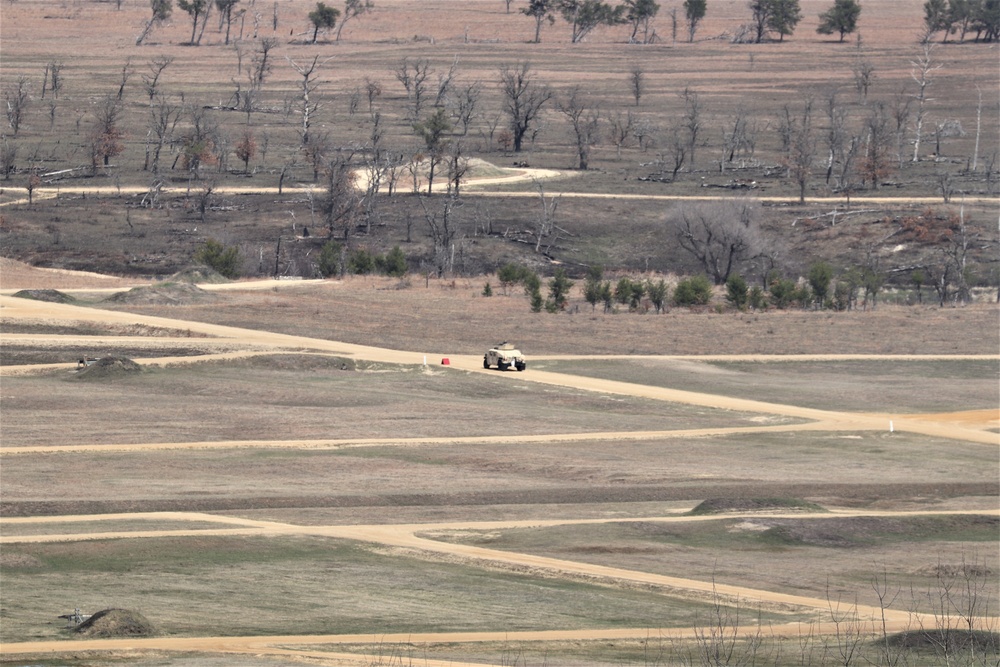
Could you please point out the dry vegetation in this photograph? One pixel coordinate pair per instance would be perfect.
(321, 442)
(115, 233)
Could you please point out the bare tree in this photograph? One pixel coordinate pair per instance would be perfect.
(584, 120)
(620, 130)
(260, 62)
(876, 164)
(523, 99)
(637, 82)
(722, 639)
(308, 72)
(864, 73)
(801, 150)
(52, 77)
(152, 80)
(413, 74)
(740, 140)
(922, 69)
(162, 122)
(8, 157)
(692, 121)
(979, 128)
(106, 137)
(720, 235)
(458, 166)
(373, 90)
(547, 217)
(444, 83)
(340, 205)
(674, 153)
(17, 99)
(443, 231)
(900, 110)
(126, 74)
(465, 105)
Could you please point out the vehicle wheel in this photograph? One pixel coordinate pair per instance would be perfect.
(486, 363)
(501, 366)
(521, 366)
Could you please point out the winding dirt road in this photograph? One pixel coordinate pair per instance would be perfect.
(418, 540)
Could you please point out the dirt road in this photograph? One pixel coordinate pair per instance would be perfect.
(418, 540)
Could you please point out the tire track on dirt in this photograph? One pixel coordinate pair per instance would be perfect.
(38, 310)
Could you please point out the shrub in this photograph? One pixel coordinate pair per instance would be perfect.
(216, 256)
(592, 286)
(487, 289)
(509, 274)
(329, 259)
(736, 291)
(783, 292)
(361, 262)
(820, 275)
(393, 264)
(559, 288)
(657, 293)
(694, 291)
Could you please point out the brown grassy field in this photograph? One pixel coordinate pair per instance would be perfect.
(289, 413)
(114, 233)
(314, 447)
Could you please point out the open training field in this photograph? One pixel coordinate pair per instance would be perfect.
(267, 492)
(273, 472)
(149, 209)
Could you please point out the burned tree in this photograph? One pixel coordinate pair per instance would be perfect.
(523, 99)
(720, 235)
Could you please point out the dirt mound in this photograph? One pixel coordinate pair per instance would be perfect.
(116, 623)
(728, 505)
(167, 293)
(51, 295)
(198, 274)
(948, 641)
(109, 367)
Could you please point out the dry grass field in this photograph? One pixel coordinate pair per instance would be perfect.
(382, 513)
(114, 232)
(286, 481)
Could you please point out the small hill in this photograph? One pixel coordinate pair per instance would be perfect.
(165, 293)
(733, 505)
(116, 623)
(198, 274)
(51, 295)
(109, 367)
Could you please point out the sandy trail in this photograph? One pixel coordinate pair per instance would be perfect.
(472, 188)
(407, 537)
(12, 307)
(414, 539)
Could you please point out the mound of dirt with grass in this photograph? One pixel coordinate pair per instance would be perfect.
(109, 367)
(732, 505)
(947, 642)
(167, 293)
(116, 623)
(51, 295)
(198, 274)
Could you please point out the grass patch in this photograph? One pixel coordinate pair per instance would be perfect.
(864, 386)
(726, 505)
(287, 585)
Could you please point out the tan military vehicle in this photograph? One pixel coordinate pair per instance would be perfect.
(503, 356)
